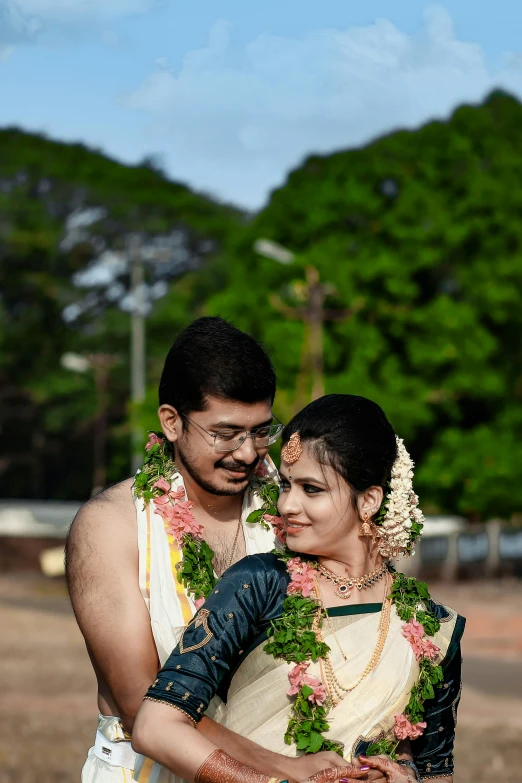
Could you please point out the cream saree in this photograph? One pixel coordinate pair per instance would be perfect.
(258, 706)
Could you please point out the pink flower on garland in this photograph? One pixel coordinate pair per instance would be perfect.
(319, 691)
(154, 440)
(176, 513)
(169, 496)
(414, 632)
(261, 470)
(278, 525)
(199, 602)
(162, 484)
(302, 578)
(181, 521)
(163, 500)
(418, 649)
(296, 677)
(406, 730)
(422, 648)
(430, 650)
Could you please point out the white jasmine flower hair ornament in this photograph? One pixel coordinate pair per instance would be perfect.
(399, 523)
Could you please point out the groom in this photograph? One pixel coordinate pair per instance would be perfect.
(216, 394)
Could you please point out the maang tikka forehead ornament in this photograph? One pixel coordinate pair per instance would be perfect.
(292, 450)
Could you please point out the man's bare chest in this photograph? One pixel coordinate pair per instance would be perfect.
(228, 545)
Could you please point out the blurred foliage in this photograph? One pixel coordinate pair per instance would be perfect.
(421, 231)
(419, 234)
(62, 209)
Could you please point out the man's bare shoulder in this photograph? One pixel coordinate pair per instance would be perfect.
(103, 520)
(103, 533)
(115, 504)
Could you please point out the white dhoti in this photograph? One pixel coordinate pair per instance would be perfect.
(111, 759)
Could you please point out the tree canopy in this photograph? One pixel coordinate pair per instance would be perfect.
(66, 215)
(418, 234)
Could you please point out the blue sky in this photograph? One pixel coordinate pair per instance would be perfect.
(232, 95)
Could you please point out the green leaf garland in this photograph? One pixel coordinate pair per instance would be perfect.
(293, 638)
(267, 491)
(195, 571)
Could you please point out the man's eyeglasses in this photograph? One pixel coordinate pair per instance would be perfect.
(230, 440)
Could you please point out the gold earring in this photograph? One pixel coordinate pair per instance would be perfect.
(365, 527)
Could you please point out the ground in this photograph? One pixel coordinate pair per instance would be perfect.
(48, 698)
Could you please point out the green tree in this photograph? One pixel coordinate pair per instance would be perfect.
(419, 233)
(422, 227)
(62, 207)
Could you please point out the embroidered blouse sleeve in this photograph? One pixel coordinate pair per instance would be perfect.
(240, 606)
(433, 751)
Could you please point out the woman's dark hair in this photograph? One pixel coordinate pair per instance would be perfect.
(212, 358)
(350, 434)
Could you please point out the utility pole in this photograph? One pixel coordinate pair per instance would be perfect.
(139, 255)
(313, 315)
(101, 364)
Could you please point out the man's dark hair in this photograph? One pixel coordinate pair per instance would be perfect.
(212, 358)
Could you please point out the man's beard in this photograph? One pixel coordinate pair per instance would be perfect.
(228, 463)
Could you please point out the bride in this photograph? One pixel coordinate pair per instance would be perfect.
(323, 646)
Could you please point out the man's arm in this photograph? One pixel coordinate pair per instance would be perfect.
(102, 576)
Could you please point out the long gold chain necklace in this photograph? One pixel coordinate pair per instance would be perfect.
(336, 688)
(345, 584)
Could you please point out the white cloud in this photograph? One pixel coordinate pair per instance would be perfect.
(28, 20)
(232, 121)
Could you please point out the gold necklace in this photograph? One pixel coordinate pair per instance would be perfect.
(337, 689)
(345, 584)
(233, 546)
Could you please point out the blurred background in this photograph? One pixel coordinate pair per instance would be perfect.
(343, 183)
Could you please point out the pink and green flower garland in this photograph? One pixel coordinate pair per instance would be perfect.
(293, 638)
(153, 484)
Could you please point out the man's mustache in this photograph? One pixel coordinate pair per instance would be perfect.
(236, 465)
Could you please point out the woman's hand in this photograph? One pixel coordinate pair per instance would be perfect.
(347, 774)
(393, 772)
(373, 775)
(323, 767)
(304, 767)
